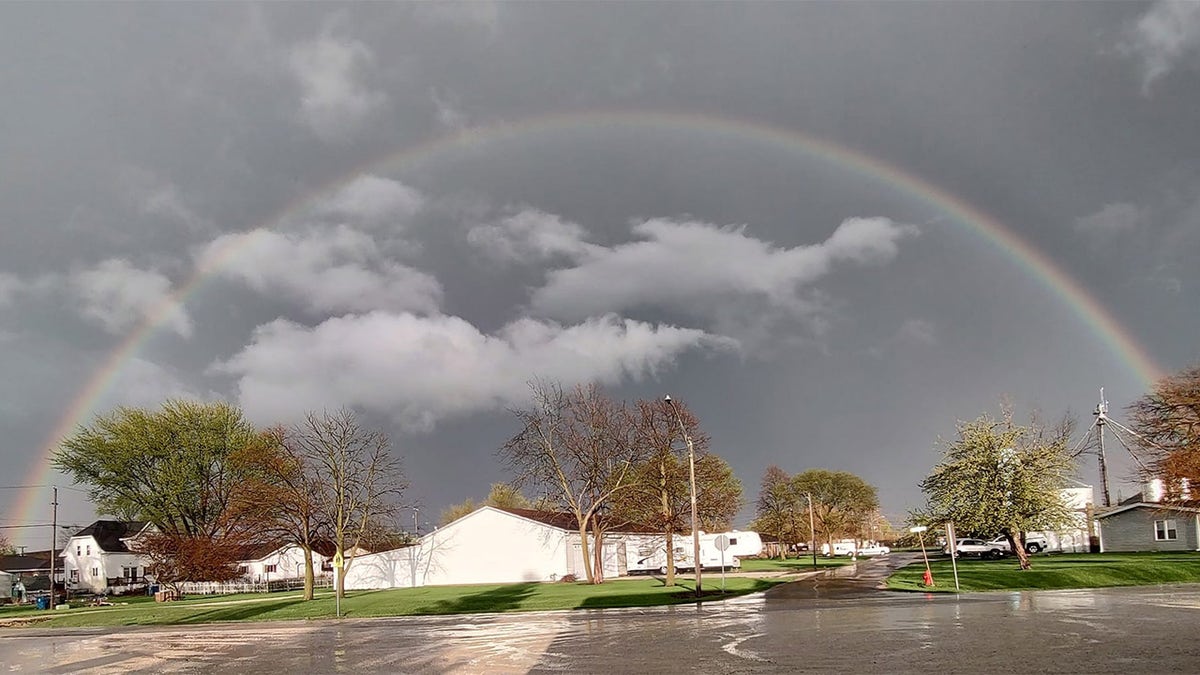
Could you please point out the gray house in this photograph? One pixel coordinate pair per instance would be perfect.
(1150, 526)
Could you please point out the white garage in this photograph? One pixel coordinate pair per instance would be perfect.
(490, 545)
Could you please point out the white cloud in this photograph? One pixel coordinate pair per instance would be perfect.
(531, 235)
(484, 14)
(422, 369)
(371, 199)
(696, 267)
(155, 196)
(330, 270)
(9, 286)
(143, 383)
(448, 114)
(917, 332)
(335, 102)
(1166, 34)
(1112, 219)
(116, 295)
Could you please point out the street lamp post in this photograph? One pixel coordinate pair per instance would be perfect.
(692, 473)
(812, 530)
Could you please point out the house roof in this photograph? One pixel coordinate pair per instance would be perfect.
(109, 534)
(25, 563)
(1189, 506)
(255, 550)
(565, 520)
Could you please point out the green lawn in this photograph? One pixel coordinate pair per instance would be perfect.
(791, 564)
(637, 592)
(1069, 570)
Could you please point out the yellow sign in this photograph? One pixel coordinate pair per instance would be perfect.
(337, 560)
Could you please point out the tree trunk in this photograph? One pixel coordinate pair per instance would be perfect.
(598, 552)
(309, 581)
(666, 513)
(585, 553)
(670, 558)
(1017, 546)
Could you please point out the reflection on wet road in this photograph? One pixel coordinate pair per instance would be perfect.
(837, 623)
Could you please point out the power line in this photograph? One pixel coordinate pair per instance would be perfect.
(46, 485)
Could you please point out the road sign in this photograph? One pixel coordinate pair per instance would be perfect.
(918, 528)
(721, 542)
(337, 560)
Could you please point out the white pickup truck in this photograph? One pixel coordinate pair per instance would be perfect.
(1035, 542)
(997, 547)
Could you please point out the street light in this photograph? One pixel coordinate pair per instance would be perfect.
(812, 531)
(692, 474)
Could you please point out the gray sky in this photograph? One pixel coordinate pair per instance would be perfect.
(613, 210)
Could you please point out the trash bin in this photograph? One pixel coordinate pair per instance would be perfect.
(43, 602)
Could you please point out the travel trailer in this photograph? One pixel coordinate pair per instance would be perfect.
(648, 553)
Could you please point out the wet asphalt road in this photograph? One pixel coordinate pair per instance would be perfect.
(834, 623)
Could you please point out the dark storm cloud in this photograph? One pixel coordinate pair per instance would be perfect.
(140, 142)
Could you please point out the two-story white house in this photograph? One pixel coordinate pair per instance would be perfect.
(98, 557)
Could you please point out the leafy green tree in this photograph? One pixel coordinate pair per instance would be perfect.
(174, 467)
(1001, 477)
(505, 496)
(455, 511)
(780, 509)
(842, 503)
(501, 496)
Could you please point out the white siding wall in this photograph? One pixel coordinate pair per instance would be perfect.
(94, 566)
(487, 546)
(288, 562)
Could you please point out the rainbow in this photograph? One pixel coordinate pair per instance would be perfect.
(986, 228)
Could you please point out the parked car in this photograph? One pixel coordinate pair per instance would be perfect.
(873, 549)
(1035, 542)
(980, 548)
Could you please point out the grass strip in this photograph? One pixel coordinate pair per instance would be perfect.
(429, 600)
(1055, 571)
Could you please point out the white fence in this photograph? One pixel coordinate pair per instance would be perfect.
(231, 587)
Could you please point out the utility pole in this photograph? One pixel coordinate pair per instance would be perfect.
(692, 471)
(53, 543)
(812, 530)
(1101, 414)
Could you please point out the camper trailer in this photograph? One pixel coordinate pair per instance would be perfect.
(648, 553)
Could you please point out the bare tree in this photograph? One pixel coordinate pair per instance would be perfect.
(360, 481)
(283, 493)
(661, 491)
(578, 450)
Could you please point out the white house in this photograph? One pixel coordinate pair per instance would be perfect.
(273, 562)
(489, 545)
(98, 557)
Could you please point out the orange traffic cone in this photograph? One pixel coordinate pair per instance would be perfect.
(928, 580)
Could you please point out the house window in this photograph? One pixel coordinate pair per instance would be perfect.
(1164, 530)
(95, 572)
(74, 576)
(242, 569)
(78, 550)
(733, 541)
(270, 568)
(89, 549)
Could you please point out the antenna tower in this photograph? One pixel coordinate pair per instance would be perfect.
(1095, 433)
